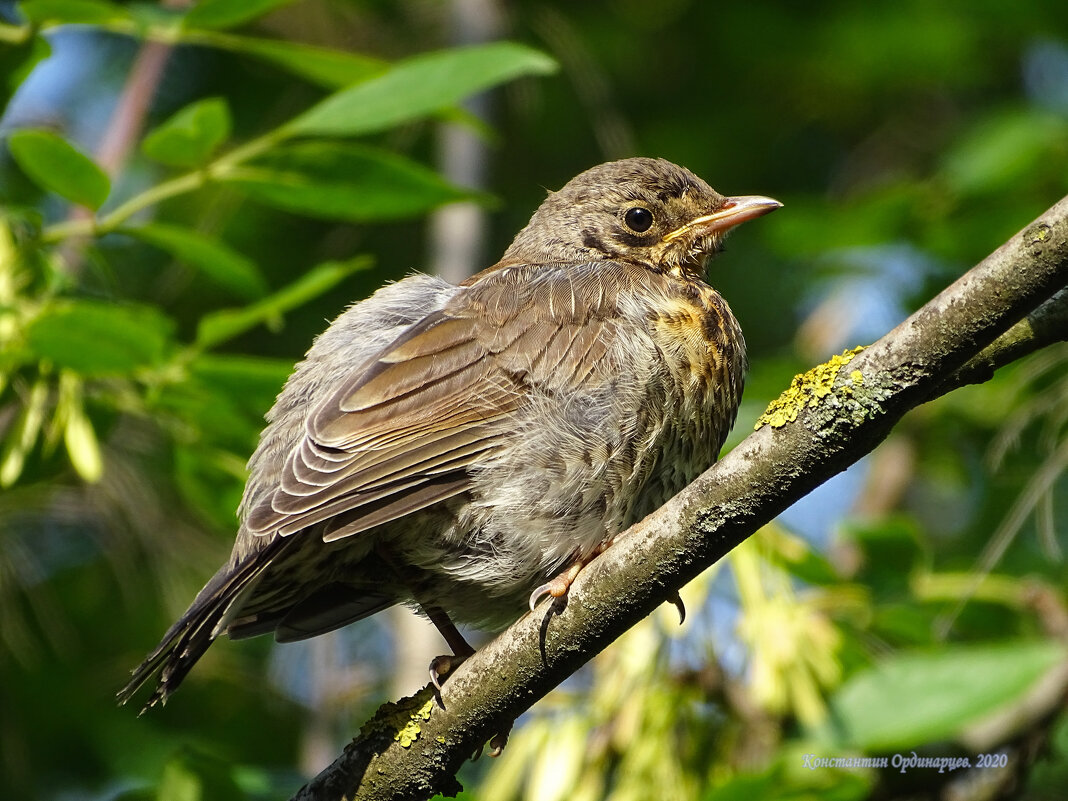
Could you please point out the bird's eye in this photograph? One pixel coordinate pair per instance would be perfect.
(638, 219)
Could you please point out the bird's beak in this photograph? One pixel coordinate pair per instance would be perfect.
(734, 211)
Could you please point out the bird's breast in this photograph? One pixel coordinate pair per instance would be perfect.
(703, 350)
(704, 365)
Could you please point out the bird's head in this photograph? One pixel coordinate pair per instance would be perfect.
(641, 210)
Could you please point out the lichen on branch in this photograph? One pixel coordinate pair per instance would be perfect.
(808, 389)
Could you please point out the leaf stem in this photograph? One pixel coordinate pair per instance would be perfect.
(113, 219)
(188, 182)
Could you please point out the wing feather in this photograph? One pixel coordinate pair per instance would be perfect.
(404, 465)
(402, 433)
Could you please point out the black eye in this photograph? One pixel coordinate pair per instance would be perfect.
(638, 219)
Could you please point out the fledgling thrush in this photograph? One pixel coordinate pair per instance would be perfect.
(458, 448)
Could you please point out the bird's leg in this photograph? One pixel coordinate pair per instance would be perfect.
(441, 666)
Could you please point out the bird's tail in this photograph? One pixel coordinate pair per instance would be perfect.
(187, 640)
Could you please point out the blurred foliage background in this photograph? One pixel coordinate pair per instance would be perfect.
(188, 192)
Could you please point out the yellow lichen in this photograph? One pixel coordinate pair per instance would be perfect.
(400, 721)
(807, 390)
(410, 733)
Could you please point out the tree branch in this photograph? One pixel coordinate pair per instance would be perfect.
(1044, 326)
(828, 419)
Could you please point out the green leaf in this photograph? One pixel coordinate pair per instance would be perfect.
(344, 181)
(79, 436)
(54, 164)
(904, 623)
(223, 402)
(252, 382)
(229, 13)
(196, 776)
(20, 437)
(222, 264)
(223, 325)
(892, 548)
(238, 372)
(206, 479)
(17, 61)
(332, 69)
(783, 782)
(213, 419)
(157, 19)
(72, 12)
(1006, 150)
(418, 86)
(191, 135)
(917, 698)
(83, 447)
(815, 227)
(96, 339)
(795, 556)
(746, 786)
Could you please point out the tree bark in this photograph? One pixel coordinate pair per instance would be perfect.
(1011, 304)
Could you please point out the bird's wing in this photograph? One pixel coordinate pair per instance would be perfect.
(400, 434)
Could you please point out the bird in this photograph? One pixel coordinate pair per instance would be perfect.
(466, 449)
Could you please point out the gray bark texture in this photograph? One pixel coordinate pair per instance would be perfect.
(1012, 303)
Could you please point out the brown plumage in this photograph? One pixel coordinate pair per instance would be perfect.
(457, 447)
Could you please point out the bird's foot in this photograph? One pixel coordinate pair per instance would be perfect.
(558, 587)
(442, 666)
(498, 741)
(496, 744)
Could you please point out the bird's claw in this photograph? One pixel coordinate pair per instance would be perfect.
(441, 667)
(548, 588)
(498, 741)
(496, 744)
(557, 587)
(676, 601)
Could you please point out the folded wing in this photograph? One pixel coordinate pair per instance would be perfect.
(403, 433)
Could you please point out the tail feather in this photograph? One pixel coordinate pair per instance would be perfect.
(187, 640)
